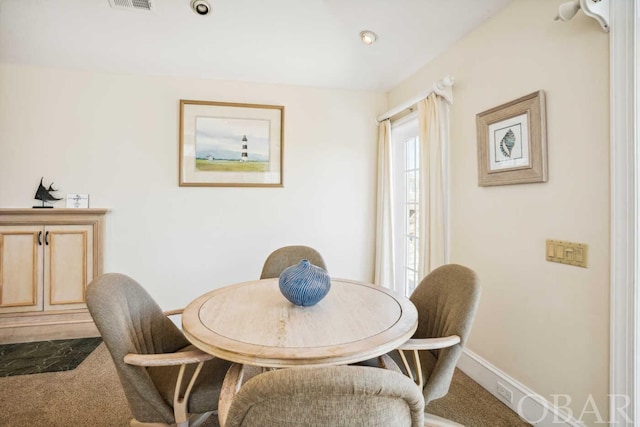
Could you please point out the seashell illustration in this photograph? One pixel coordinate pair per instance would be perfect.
(507, 143)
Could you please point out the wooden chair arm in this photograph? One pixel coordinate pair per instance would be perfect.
(230, 387)
(430, 343)
(173, 312)
(181, 358)
(416, 344)
(168, 359)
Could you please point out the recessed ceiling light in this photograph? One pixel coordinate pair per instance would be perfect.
(368, 37)
(201, 7)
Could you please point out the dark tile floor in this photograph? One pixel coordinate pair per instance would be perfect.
(45, 356)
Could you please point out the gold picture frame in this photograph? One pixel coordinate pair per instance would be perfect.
(225, 144)
(512, 142)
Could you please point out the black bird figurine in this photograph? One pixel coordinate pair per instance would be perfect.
(45, 195)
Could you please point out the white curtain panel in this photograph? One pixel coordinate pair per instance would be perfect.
(385, 253)
(433, 128)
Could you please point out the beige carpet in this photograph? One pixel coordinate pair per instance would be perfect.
(471, 405)
(91, 396)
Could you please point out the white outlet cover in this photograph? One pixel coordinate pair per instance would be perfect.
(505, 392)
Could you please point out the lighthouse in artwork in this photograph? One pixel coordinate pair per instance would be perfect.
(245, 155)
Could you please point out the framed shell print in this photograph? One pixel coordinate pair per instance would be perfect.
(512, 142)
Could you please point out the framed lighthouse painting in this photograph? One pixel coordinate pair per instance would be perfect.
(224, 144)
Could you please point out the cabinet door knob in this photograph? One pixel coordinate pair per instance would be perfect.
(46, 238)
(39, 238)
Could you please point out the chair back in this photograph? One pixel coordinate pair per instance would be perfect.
(130, 321)
(287, 256)
(337, 396)
(447, 300)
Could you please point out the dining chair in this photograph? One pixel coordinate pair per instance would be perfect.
(287, 256)
(164, 378)
(447, 300)
(337, 396)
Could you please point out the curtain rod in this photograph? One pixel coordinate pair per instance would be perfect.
(441, 87)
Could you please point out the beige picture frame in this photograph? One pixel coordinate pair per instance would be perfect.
(225, 144)
(76, 201)
(512, 142)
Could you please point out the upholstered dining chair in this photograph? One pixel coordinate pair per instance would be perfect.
(447, 300)
(164, 378)
(337, 396)
(287, 256)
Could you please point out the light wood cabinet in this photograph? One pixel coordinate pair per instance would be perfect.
(47, 259)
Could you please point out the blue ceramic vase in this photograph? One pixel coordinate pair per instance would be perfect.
(304, 284)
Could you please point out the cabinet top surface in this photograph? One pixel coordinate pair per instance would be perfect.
(52, 211)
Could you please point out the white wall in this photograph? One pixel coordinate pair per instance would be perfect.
(116, 138)
(544, 324)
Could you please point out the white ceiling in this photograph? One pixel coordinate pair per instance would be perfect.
(300, 42)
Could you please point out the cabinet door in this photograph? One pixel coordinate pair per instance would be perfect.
(68, 265)
(21, 274)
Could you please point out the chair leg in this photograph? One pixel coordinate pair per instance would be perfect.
(230, 387)
(386, 362)
(197, 419)
(136, 423)
(194, 421)
(431, 420)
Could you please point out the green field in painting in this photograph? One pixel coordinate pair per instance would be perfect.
(231, 166)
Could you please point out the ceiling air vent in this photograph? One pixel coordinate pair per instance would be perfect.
(144, 5)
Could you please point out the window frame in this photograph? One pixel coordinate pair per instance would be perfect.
(404, 131)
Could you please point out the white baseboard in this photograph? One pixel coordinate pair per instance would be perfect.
(530, 406)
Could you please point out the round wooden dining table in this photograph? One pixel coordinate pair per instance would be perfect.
(253, 323)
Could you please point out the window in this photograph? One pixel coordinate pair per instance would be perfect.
(406, 187)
